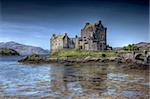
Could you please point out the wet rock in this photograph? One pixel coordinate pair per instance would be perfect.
(148, 59)
(115, 59)
(129, 60)
(96, 79)
(88, 59)
(34, 58)
(105, 60)
(139, 66)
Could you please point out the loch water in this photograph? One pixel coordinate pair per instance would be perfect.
(71, 81)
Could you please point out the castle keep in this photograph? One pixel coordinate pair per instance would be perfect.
(93, 38)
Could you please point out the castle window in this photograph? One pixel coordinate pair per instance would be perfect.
(102, 37)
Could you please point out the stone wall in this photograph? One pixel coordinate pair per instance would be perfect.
(94, 37)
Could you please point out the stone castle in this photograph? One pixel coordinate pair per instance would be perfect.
(93, 38)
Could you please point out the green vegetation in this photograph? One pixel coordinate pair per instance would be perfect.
(34, 57)
(82, 54)
(8, 52)
(131, 47)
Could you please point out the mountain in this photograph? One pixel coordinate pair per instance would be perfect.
(23, 49)
(143, 45)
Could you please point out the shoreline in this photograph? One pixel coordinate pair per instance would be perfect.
(130, 64)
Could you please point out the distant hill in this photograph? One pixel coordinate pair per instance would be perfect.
(23, 49)
(143, 45)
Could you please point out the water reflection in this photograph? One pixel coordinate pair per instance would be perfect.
(55, 80)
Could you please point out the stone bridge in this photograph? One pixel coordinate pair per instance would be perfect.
(137, 55)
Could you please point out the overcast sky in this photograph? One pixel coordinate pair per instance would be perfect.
(32, 22)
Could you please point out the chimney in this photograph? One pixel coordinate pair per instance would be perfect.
(99, 21)
(53, 35)
(65, 34)
(76, 36)
(87, 23)
(105, 29)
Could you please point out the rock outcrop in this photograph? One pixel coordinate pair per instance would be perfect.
(33, 59)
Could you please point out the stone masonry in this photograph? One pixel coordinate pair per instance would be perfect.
(93, 38)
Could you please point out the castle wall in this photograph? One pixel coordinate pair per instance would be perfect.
(71, 43)
(56, 45)
(93, 38)
(65, 42)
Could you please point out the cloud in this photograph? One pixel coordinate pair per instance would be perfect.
(33, 21)
(23, 30)
(25, 33)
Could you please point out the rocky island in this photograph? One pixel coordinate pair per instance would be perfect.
(8, 52)
(88, 57)
(92, 48)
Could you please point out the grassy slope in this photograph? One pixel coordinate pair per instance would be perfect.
(82, 54)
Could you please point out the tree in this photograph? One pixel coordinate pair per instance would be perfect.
(131, 47)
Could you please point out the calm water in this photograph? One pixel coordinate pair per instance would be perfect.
(67, 82)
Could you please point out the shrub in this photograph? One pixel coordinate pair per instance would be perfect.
(103, 55)
(131, 47)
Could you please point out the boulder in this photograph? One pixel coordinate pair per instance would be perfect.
(88, 59)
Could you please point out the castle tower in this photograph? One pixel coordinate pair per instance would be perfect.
(94, 37)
